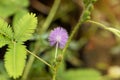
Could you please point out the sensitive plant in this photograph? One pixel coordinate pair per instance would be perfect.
(14, 37)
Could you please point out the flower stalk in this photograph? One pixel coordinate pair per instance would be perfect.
(56, 50)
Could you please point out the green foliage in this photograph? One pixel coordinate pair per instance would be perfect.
(10, 7)
(82, 74)
(16, 52)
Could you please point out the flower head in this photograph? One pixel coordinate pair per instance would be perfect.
(58, 36)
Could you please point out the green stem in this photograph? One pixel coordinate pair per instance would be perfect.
(27, 68)
(50, 16)
(56, 50)
(71, 36)
(54, 74)
(97, 23)
(81, 20)
(113, 30)
(76, 28)
(39, 58)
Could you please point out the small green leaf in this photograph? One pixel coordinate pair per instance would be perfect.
(7, 8)
(22, 3)
(25, 27)
(10, 7)
(5, 29)
(3, 41)
(82, 74)
(15, 59)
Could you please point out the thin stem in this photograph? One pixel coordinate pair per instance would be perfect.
(54, 75)
(113, 30)
(27, 68)
(97, 23)
(80, 21)
(56, 50)
(39, 58)
(71, 36)
(55, 67)
(50, 16)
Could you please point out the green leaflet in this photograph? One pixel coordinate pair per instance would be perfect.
(10, 7)
(5, 29)
(15, 59)
(3, 41)
(25, 27)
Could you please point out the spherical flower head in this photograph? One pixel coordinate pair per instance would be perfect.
(58, 36)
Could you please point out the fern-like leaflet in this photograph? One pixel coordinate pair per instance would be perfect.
(15, 59)
(3, 41)
(25, 27)
(5, 29)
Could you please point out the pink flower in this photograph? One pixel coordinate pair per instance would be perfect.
(58, 36)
